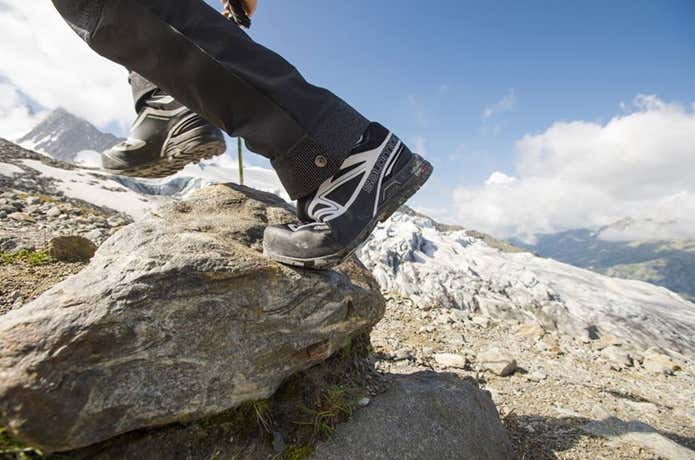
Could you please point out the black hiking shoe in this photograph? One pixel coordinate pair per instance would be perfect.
(164, 138)
(374, 181)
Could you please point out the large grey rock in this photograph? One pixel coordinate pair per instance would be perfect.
(635, 433)
(424, 415)
(177, 317)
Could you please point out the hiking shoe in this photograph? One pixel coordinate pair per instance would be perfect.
(164, 138)
(377, 178)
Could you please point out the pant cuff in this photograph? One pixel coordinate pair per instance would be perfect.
(141, 87)
(319, 154)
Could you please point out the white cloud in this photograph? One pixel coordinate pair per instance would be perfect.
(583, 174)
(499, 178)
(16, 115)
(44, 58)
(507, 103)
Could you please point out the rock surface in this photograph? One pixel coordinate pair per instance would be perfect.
(635, 433)
(425, 415)
(178, 316)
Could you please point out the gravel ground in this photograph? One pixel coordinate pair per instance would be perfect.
(560, 384)
(21, 282)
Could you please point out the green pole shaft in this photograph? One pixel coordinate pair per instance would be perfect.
(241, 161)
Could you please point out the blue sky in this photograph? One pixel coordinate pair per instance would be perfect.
(430, 69)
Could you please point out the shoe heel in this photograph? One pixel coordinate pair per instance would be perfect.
(411, 179)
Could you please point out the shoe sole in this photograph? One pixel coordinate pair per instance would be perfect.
(415, 174)
(176, 158)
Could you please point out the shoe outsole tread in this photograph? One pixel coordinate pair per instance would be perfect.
(175, 160)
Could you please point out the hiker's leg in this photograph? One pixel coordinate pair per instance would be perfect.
(209, 64)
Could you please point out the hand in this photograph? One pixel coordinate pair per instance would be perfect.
(249, 7)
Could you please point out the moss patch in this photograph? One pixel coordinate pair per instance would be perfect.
(11, 449)
(26, 256)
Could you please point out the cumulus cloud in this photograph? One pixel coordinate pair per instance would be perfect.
(17, 113)
(43, 58)
(580, 174)
(505, 104)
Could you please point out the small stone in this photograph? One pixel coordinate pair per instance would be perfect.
(458, 316)
(427, 329)
(607, 341)
(531, 330)
(71, 249)
(20, 217)
(659, 363)
(402, 354)
(451, 360)
(617, 357)
(497, 362)
(536, 376)
(116, 221)
(278, 442)
(94, 235)
(482, 321)
(53, 212)
(364, 402)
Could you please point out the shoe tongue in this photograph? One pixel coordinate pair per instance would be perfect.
(161, 100)
(303, 209)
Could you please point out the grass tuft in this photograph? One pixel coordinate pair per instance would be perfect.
(11, 449)
(26, 256)
(297, 452)
(332, 407)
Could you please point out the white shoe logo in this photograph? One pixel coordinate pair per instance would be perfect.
(370, 165)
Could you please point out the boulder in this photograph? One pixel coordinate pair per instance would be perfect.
(71, 249)
(451, 360)
(635, 433)
(177, 317)
(497, 362)
(424, 415)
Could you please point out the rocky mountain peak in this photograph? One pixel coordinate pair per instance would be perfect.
(63, 136)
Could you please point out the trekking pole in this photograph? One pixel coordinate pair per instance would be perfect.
(234, 11)
(241, 161)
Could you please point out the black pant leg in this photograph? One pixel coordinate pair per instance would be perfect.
(210, 65)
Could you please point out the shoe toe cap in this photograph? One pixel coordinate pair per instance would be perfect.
(302, 242)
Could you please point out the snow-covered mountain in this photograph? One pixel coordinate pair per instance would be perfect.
(630, 249)
(410, 254)
(71, 139)
(129, 195)
(66, 137)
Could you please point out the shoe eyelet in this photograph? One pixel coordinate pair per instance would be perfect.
(320, 161)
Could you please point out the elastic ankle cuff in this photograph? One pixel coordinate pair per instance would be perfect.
(319, 156)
